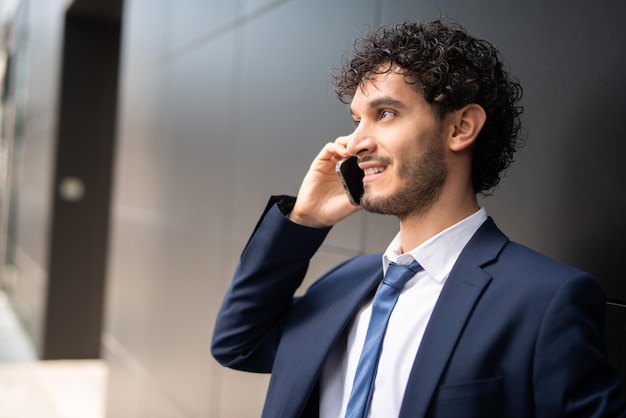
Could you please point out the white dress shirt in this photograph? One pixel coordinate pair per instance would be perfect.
(405, 329)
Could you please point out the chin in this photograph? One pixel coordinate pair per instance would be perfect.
(380, 204)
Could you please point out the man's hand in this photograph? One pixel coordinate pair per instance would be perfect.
(322, 200)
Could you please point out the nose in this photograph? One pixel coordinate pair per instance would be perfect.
(361, 142)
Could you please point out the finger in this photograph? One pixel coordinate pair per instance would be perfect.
(343, 140)
(333, 150)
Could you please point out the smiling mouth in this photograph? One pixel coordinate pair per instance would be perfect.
(373, 170)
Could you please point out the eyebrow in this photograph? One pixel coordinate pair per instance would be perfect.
(383, 101)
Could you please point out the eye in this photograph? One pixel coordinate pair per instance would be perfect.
(356, 122)
(386, 114)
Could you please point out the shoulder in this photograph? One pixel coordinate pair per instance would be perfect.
(537, 284)
(519, 260)
(504, 259)
(522, 273)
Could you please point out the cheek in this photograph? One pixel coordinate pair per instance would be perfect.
(408, 153)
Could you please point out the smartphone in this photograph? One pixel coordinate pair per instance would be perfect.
(351, 177)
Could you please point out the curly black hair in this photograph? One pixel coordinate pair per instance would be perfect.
(452, 69)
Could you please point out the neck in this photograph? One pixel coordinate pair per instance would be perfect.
(415, 230)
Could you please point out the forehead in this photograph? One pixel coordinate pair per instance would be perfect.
(393, 85)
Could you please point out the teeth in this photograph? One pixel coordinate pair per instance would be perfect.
(374, 170)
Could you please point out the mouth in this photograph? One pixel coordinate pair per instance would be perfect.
(373, 170)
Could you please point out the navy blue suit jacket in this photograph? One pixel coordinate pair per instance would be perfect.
(513, 334)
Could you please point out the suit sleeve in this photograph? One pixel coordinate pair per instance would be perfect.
(572, 375)
(257, 304)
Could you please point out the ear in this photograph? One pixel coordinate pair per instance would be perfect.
(467, 123)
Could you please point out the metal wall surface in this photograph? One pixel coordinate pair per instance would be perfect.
(225, 103)
(57, 119)
(37, 36)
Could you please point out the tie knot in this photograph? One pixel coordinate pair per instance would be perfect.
(397, 275)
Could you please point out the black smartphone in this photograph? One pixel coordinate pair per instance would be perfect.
(351, 176)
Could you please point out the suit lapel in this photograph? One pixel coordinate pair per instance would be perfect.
(319, 319)
(462, 291)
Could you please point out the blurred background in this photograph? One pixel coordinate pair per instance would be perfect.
(141, 139)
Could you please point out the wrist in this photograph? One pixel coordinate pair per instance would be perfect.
(303, 220)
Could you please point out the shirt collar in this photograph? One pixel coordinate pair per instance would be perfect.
(438, 254)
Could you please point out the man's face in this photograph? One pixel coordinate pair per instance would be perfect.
(400, 147)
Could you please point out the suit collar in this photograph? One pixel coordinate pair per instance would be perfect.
(438, 254)
(462, 291)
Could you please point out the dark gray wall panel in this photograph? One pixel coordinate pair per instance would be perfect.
(288, 109)
(166, 243)
(616, 339)
(193, 23)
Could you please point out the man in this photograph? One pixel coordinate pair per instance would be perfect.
(484, 327)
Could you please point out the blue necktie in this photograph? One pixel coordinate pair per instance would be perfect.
(384, 301)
